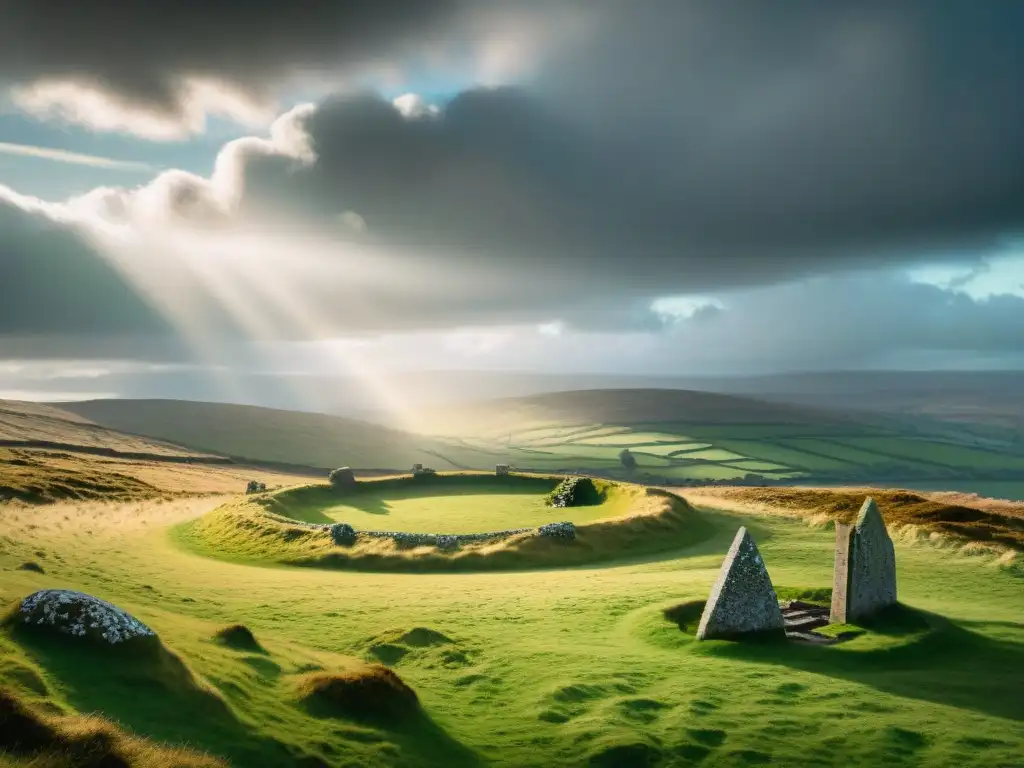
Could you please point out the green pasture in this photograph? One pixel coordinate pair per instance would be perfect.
(440, 507)
(561, 667)
(939, 453)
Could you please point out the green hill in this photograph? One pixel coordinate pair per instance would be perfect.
(672, 435)
(265, 434)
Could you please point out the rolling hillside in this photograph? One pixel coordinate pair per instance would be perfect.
(267, 434)
(674, 436)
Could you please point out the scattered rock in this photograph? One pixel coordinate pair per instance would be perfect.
(864, 579)
(564, 530)
(574, 492)
(743, 601)
(79, 615)
(342, 477)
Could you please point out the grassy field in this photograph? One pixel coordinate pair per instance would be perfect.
(559, 667)
(478, 508)
(623, 520)
(674, 435)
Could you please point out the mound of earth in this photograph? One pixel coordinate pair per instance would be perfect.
(373, 691)
(78, 615)
(239, 637)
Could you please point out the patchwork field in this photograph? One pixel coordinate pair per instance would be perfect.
(564, 666)
(670, 435)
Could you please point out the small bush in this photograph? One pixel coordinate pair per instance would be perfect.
(255, 486)
(343, 534)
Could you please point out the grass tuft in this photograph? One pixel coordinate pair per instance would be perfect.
(82, 742)
(239, 637)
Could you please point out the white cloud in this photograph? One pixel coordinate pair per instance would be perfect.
(99, 109)
(72, 158)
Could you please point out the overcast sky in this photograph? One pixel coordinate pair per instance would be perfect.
(667, 187)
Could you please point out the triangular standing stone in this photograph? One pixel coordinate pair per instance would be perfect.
(865, 569)
(743, 600)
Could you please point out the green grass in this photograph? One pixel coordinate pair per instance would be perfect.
(940, 453)
(489, 506)
(838, 451)
(559, 667)
(776, 453)
(574, 431)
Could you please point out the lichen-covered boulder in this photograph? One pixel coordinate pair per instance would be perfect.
(342, 534)
(564, 530)
(79, 615)
(743, 600)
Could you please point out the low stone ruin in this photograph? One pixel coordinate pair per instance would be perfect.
(417, 468)
(864, 579)
(501, 470)
(743, 600)
(79, 615)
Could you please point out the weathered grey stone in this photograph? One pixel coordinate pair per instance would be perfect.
(342, 477)
(743, 600)
(501, 469)
(864, 579)
(417, 467)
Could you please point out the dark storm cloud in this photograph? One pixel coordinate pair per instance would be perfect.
(662, 148)
(53, 282)
(139, 50)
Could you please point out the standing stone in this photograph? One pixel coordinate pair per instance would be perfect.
(864, 580)
(743, 600)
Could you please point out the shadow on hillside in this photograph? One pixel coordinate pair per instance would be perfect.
(150, 691)
(947, 665)
(372, 505)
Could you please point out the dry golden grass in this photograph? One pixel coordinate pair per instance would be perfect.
(21, 421)
(44, 476)
(31, 738)
(984, 523)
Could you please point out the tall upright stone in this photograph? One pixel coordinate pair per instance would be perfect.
(864, 580)
(743, 600)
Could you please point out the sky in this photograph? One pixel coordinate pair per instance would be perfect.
(700, 188)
